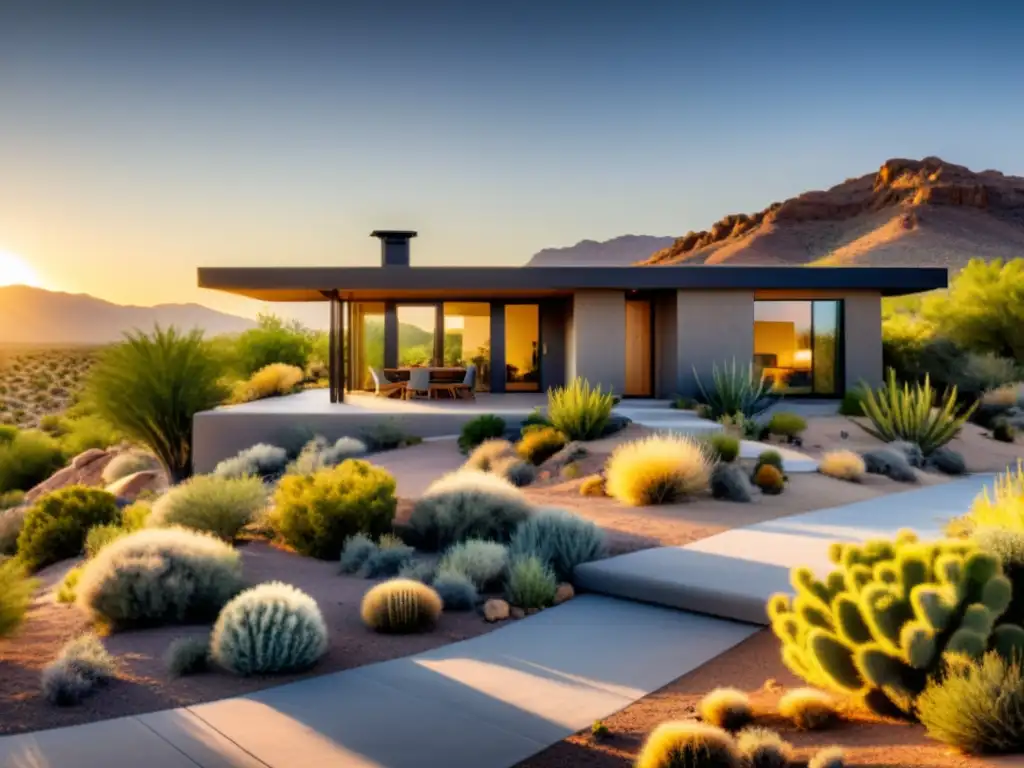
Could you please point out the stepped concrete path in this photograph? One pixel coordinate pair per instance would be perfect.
(732, 575)
(488, 702)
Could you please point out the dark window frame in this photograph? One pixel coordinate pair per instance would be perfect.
(840, 353)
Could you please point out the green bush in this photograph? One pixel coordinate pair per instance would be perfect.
(912, 415)
(56, 527)
(270, 628)
(466, 505)
(540, 445)
(852, 403)
(387, 561)
(15, 595)
(559, 539)
(476, 431)
(99, 536)
(135, 516)
(151, 385)
(7, 433)
(27, 460)
(531, 583)
(724, 447)
(218, 505)
(401, 606)
(260, 460)
(785, 424)
(160, 576)
(11, 499)
(67, 592)
(735, 389)
(877, 628)
(385, 436)
(187, 656)
(128, 463)
(534, 419)
(84, 432)
(82, 665)
(273, 340)
(688, 744)
(316, 513)
(484, 562)
(457, 590)
(770, 457)
(977, 707)
(579, 411)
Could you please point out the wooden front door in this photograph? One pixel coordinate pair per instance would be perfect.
(639, 349)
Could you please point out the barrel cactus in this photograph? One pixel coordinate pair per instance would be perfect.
(401, 606)
(879, 626)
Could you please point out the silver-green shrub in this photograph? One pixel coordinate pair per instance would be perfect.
(387, 561)
(483, 562)
(531, 583)
(218, 505)
(357, 550)
(261, 460)
(560, 539)
(269, 628)
(457, 591)
(518, 472)
(187, 656)
(418, 570)
(320, 452)
(160, 576)
(488, 453)
(101, 535)
(82, 665)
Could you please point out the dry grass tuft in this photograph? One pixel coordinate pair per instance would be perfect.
(660, 469)
(842, 465)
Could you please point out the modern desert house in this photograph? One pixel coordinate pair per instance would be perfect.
(639, 331)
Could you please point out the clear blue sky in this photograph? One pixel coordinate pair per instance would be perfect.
(139, 140)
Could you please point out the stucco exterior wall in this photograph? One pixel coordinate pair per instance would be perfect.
(597, 338)
(711, 327)
(862, 326)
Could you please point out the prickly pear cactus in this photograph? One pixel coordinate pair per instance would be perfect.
(880, 624)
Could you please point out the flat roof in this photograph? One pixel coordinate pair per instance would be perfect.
(396, 282)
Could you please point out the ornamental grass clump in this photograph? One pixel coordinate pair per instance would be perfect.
(878, 627)
(808, 708)
(269, 381)
(485, 563)
(267, 629)
(100, 535)
(56, 526)
(401, 606)
(218, 505)
(261, 460)
(319, 453)
(356, 551)
(842, 465)
(914, 414)
(593, 486)
(735, 388)
(82, 666)
(727, 708)
(531, 583)
(16, 590)
(539, 445)
(487, 454)
(579, 411)
(689, 744)
(559, 539)
(1004, 507)
(660, 469)
(457, 590)
(466, 505)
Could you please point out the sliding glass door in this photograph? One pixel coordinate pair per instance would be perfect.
(467, 339)
(522, 348)
(797, 345)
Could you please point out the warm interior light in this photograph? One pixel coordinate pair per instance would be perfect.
(802, 356)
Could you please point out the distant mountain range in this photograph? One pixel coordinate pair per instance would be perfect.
(617, 252)
(36, 316)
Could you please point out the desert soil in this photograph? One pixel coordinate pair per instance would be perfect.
(142, 684)
(752, 666)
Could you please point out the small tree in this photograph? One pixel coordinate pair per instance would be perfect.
(273, 340)
(151, 385)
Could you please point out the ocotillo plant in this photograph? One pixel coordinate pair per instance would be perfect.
(879, 626)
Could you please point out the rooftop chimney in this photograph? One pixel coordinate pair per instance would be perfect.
(394, 247)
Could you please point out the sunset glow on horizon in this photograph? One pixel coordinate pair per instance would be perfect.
(15, 270)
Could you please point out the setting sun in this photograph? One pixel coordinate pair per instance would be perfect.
(14, 270)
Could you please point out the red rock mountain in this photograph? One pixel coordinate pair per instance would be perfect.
(910, 212)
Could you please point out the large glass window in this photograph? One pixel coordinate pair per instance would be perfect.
(367, 334)
(467, 339)
(522, 348)
(796, 345)
(416, 335)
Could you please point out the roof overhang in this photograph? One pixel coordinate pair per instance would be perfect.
(433, 283)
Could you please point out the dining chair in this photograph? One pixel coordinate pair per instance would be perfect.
(383, 386)
(419, 383)
(467, 386)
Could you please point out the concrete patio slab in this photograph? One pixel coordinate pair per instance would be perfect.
(732, 575)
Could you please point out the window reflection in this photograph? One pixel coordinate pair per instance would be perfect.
(796, 345)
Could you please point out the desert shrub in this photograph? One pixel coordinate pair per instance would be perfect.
(273, 340)
(724, 447)
(319, 453)
(808, 708)
(880, 624)
(771, 457)
(1004, 431)
(467, 505)
(534, 419)
(316, 513)
(100, 535)
(84, 432)
(478, 430)
(1004, 507)
(592, 486)
(688, 744)
(727, 708)
(540, 445)
(67, 591)
(401, 606)
(150, 386)
(660, 469)
(947, 461)
(82, 665)
(419, 570)
(518, 472)
(489, 452)
(128, 463)
(762, 748)
(457, 590)
(1007, 545)
(160, 576)
(7, 433)
(11, 499)
(735, 389)
(579, 411)
(830, 757)
(135, 516)
(261, 460)
(570, 471)
(786, 424)
(892, 464)
(531, 583)
(730, 483)
(559, 539)
(842, 465)
(56, 526)
(977, 707)
(356, 551)
(852, 403)
(267, 629)
(769, 480)
(911, 414)
(218, 505)
(27, 460)
(15, 595)
(387, 561)
(484, 562)
(11, 522)
(385, 436)
(187, 656)
(269, 381)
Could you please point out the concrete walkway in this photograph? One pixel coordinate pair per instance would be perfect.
(732, 574)
(488, 702)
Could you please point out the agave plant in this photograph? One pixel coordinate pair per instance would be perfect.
(736, 389)
(910, 413)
